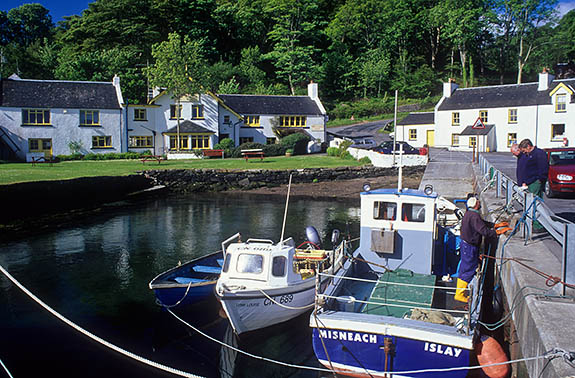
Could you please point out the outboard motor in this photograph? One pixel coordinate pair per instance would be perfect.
(313, 236)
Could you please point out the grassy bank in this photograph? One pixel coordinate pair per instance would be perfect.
(23, 172)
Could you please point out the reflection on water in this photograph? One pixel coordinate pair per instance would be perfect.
(97, 274)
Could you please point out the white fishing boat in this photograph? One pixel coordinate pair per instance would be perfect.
(265, 283)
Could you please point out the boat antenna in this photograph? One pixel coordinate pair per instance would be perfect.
(285, 212)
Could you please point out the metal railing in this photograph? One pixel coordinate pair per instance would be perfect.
(562, 230)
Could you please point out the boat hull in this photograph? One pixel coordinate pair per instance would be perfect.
(251, 310)
(362, 354)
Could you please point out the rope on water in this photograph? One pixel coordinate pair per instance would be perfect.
(284, 306)
(94, 337)
(6, 369)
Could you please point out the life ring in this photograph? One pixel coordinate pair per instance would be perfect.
(489, 351)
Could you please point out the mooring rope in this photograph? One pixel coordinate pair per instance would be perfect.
(94, 337)
(6, 369)
(569, 357)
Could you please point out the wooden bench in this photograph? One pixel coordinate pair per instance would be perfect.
(253, 154)
(210, 153)
(43, 159)
(157, 158)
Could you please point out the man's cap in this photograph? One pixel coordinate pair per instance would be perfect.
(471, 202)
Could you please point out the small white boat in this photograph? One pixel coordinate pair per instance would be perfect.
(263, 283)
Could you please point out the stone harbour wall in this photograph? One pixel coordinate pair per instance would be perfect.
(206, 180)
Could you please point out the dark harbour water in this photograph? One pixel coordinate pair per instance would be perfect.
(97, 273)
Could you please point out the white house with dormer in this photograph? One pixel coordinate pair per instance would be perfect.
(492, 118)
(206, 119)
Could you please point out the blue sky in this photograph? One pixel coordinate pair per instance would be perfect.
(60, 8)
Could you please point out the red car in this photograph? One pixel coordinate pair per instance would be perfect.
(561, 178)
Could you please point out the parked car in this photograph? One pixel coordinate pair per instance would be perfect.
(561, 177)
(387, 148)
(365, 143)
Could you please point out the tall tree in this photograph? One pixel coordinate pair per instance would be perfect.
(29, 23)
(530, 15)
(180, 68)
(292, 53)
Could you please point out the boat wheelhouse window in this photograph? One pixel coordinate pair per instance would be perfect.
(413, 212)
(279, 266)
(227, 260)
(248, 263)
(384, 210)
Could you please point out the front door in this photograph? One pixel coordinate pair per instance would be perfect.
(430, 138)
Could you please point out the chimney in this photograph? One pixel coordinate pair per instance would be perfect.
(449, 88)
(544, 80)
(312, 91)
(116, 81)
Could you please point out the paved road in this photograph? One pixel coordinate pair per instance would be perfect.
(449, 172)
(563, 206)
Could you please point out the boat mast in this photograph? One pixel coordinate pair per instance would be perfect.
(394, 127)
(285, 212)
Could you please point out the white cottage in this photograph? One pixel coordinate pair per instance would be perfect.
(43, 117)
(494, 117)
(209, 118)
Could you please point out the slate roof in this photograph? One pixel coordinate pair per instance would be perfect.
(469, 130)
(20, 93)
(422, 118)
(188, 126)
(501, 96)
(272, 105)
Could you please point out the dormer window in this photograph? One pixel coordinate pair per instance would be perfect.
(252, 120)
(197, 112)
(560, 103)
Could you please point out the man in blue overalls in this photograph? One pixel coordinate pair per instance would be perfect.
(473, 228)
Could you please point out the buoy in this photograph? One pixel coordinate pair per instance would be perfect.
(489, 351)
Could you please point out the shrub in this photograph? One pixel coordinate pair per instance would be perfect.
(297, 142)
(274, 150)
(226, 144)
(332, 151)
(365, 160)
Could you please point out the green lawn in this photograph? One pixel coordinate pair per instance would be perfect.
(22, 172)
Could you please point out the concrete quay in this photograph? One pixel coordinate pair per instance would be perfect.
(542, 319)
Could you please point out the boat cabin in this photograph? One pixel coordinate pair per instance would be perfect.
(399, 229)
(257, 261)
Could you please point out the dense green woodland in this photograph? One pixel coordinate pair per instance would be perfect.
(354, 49)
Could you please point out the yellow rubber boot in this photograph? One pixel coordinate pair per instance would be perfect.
(461, 291)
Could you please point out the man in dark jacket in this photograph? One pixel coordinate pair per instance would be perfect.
(534, 174)
(473, 228)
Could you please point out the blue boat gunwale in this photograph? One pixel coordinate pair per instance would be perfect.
(160, 281)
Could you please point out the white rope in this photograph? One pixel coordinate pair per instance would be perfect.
(94, 337)
(284, 306)
(159, 302)
(6, 369)
(552, 354)
(244, 352)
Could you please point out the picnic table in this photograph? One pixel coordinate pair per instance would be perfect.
(209, 153)
(157, 158)
(43, 159)
(256, 153)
